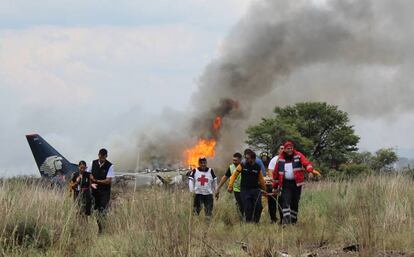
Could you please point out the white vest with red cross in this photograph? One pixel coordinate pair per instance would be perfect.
(204, 182)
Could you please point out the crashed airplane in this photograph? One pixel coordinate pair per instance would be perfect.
(53, 166)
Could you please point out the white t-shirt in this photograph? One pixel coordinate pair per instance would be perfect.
(289, 171)
(273, 162)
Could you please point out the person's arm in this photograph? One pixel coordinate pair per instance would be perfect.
(262, 167)
(220, 185)
(191, 182)
(214, 183)
(272, 165)
(275, 176)
(109, 176)
(73, 182)
(89, 168)
(262, 181)
(308, 165)
(234, 177)
(89, 179)
(224, 179)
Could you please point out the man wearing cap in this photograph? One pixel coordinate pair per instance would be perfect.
(102, 172)
(289, 177)
(203, 182)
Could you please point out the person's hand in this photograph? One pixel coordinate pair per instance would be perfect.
(316, 173)
(275, 191)
(230, 190)
(217, 195)
(94, 186)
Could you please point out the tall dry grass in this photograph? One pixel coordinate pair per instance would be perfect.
(374, 212)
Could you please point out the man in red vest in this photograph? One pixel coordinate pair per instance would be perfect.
(289, 177)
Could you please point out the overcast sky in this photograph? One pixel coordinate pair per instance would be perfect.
(84, 74)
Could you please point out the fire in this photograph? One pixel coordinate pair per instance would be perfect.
(204, 148)
(217, 123)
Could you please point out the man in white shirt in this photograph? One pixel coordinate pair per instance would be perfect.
(271, 198)
(203, 182)
(102, 172)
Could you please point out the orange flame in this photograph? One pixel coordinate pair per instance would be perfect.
(217, 123)
(204, 148)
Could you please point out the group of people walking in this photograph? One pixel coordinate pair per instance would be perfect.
(281, 183)
(248, 179)
(91, 186)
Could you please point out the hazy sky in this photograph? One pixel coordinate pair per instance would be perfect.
(85, 74)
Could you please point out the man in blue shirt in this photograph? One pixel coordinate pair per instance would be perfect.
(258, 161)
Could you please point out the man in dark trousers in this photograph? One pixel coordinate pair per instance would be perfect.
(237, 157)
(272, 196)
(289, 177)
(102, 172)
(250, 184)
(203, 183)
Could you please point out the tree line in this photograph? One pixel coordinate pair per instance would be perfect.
(324, 133)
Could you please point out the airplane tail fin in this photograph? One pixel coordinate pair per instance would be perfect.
(49, 161)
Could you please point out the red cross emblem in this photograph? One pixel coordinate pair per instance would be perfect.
(203, 180)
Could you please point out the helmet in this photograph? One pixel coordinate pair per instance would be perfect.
(264, 154)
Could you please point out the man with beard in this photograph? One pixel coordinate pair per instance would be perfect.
(289, 177)
(250, 184)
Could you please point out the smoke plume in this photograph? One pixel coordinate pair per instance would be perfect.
(357, 54)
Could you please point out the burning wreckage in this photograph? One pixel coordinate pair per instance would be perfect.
(55, 167)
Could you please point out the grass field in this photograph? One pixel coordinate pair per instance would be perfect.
(374, 212)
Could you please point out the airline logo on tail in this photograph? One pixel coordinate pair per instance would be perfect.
(51, 165)
(48, 160)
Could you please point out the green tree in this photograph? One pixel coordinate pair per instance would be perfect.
(361, 158)
(321, 130)
(384, 159)
(268, 135)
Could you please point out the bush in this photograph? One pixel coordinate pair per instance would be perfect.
(354, 170)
